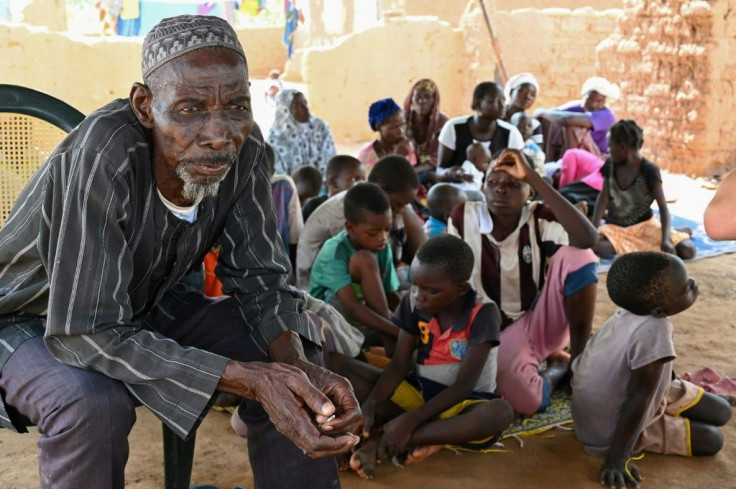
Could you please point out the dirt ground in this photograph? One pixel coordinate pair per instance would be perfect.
(705, 336)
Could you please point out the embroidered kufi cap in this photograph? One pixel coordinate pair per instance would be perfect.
(175, 36)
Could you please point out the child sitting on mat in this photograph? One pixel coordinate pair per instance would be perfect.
(450, 399)
(630, 185)
(625, 399)
(354, 271)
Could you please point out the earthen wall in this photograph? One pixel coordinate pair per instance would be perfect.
(677, 70)
(87, 72)
(384, 61)
(508, 5)
(556, 44)
(47, 13)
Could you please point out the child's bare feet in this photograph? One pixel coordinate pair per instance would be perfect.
(343, 462)
(420, 453)
(363, 461)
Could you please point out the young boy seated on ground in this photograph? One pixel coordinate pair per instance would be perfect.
(449, 400)
(625, 399)
(341, 173)
(397, 178)
(354, 270)
(441, 199)
(308, 180)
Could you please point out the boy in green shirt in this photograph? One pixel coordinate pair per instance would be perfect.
(354, 270)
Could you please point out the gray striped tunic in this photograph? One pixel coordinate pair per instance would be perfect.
(89, 249)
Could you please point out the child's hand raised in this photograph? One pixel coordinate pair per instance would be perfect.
(512, 161)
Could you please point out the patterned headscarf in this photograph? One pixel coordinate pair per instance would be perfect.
(428, 149)
(283, 115)
(175, 36)
(381, 110)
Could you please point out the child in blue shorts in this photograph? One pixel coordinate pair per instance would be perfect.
(354, 270)
(449, 400)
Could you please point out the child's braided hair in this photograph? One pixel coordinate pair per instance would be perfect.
(627, 133)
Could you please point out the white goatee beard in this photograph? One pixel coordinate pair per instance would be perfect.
(192, 190)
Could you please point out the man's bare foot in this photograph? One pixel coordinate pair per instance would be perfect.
(420, 453)
(363, 461)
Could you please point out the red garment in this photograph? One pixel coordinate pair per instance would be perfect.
(212, 285)
(711, 381)
(447, 346)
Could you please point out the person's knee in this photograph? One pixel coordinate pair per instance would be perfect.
(492, 417)
(103, 408)
(499, 414)
(721, 411)
(706, 439)
(364, 258)
(363, 262)
(527, 400)
(686, 250)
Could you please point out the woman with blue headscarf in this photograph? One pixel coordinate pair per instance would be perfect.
(298, 137)
(386, 117)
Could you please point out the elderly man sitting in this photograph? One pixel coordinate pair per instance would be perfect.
(92, 310)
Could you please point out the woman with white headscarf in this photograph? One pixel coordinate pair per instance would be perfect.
(298, 137)
(521, 91)
(584, 123)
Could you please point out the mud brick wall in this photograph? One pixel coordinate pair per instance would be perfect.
(675, 66)
(541, 4)
(556, 44)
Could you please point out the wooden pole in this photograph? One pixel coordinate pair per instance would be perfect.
(494, 41)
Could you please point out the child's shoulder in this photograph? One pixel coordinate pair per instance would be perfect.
(337, 244)
(629, 327)
(648, 166)
(487, 312)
